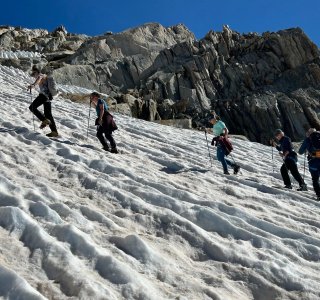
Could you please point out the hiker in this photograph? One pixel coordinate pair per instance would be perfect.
(290, 159)
(104, 122)
(312, 145)
(220, 131)
(44, 98)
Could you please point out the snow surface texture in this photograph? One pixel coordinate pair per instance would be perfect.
(19, 54)
(155, 222)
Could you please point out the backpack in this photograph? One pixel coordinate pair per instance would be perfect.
(227, 144)
(315, 140)
(114, 125)
(52, 86)
(109, 125)
(224, 142)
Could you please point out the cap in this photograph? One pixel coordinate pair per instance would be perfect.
(34, 70)
(277, 132)
(311, 130)
(95, 94)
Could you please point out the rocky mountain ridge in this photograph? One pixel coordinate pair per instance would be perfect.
(257, 83)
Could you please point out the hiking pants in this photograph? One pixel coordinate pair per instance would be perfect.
(290, 165)
(108, 135)
(314, 168)
(221, 156)
(43, 100)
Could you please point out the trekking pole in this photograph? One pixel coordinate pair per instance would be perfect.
(272, 160)
(208, 147)
(304, 165)
(89, 119)
(34, 127)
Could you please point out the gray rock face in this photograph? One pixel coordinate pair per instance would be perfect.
(257, 83)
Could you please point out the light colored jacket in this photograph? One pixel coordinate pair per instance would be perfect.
(218, 128)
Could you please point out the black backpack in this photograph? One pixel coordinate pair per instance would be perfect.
(315, 140)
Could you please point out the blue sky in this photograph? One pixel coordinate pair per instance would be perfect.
(98, 16)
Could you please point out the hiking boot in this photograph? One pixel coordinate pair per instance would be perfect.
(106, 148)
(52, 134)
(236, 169)
(45, 123)
(303, 187)
(289, 187)
(318, 198)
(114, 150)
(226, 173)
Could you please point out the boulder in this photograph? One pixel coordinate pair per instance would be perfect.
(81, 75)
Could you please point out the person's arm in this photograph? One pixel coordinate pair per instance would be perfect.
(225, 131)
(286, 147)
(303, 147)
(101, 107)
(37, 81)
(284, 154)
(278, 147)
(223, 128)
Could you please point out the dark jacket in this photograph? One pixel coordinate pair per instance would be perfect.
(285, 145)
(307, 146)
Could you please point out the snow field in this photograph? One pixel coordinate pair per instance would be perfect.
(155, 222)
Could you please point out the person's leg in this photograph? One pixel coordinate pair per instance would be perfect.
(48, 115)
(292, 166)
(229, 163)
(285, 175)
(315, 181)
(221, 158)
(111, 140)
(40, 100)
(232, 164)
(101, 137)
(314, 169)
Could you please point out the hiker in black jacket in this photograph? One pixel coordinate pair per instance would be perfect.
(290, 159)
(312, 145)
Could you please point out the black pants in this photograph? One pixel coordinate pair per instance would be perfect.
(314, 168)
(43, 100)
(108, 135)
(290, 165)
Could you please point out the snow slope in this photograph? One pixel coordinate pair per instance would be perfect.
(156, 222)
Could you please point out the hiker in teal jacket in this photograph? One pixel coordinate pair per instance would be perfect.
(220, 129)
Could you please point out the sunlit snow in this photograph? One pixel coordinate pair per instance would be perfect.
(154, 222)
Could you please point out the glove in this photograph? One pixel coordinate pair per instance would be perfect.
(272, 143)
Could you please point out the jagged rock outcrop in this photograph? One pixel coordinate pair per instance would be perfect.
(255, 82)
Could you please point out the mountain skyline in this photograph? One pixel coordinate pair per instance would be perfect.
(94, 18)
